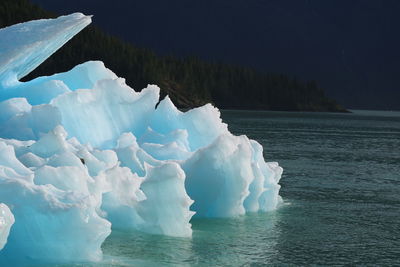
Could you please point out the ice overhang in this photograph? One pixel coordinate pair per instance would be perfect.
(24, 46)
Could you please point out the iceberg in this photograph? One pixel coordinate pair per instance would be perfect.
(82, 153)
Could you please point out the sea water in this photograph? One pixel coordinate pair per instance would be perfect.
(341, 192)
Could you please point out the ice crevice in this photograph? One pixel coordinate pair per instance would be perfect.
(82, 153)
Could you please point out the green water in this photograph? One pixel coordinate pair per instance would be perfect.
(341, 191)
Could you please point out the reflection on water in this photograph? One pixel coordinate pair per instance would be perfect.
(214, 241)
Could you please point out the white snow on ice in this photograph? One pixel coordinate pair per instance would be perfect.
(81, 152)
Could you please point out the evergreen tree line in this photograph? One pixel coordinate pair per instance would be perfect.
(188, 81)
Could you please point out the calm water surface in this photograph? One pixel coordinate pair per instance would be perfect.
(341, 191)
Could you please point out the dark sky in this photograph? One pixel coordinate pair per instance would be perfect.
(351, 47)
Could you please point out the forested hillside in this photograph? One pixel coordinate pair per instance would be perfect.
(190, 82)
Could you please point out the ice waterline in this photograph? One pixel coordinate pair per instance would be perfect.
(82, 153)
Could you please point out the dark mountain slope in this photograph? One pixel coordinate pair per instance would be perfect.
(349, 46)
(189, 81)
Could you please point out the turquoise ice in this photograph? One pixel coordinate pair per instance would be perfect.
(82, 153)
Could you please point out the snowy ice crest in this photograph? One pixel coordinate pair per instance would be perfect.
(81, 152)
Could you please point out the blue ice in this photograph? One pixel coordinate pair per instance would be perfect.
(82, 153)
